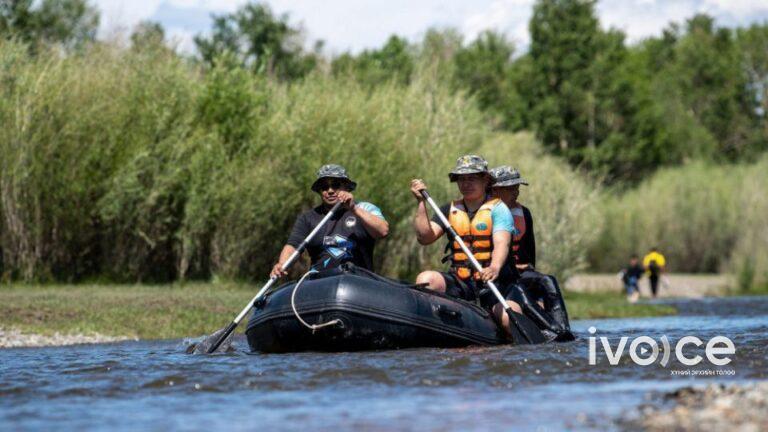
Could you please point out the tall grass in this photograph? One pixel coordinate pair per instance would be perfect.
(136, 166)
(703, 218)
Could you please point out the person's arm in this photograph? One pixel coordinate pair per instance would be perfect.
(501, 240)
(277, 270)
(299, 232)
(427, 231)
(503, 225)
(373, 221)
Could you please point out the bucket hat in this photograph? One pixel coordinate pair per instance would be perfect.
(506, 176)
(469, 164)
(333, 171)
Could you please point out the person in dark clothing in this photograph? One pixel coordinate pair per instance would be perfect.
(631, 276)
(349, 236)
(541, 296)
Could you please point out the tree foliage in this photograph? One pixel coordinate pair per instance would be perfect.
(393, 62)
(67, 22)
(262, 42)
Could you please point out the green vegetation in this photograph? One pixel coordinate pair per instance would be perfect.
(142, 311)
(703, 217)
(165, 174)
(190, 310)
(70, 23)
(610, 305)
(140, 165)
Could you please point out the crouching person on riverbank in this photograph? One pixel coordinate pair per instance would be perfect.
(349, 236)
(485, 225)
(540, 297)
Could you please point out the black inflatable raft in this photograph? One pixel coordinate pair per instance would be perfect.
(372, 312)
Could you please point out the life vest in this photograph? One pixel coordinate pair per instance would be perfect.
(519, 218)
(477, 235)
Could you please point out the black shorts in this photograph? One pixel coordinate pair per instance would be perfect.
(471, 291)
(455, 287)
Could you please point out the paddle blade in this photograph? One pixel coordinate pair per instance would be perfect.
(213, 343)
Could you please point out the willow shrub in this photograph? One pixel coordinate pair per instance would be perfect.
(749, 257)
(702, 217)
(69, 124)
(138, 166)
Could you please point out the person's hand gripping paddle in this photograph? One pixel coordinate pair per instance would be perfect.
(519, 335)
(215, 341)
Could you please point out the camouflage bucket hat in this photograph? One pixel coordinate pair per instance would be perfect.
(332, 171)
(506, 176)
(469, 164)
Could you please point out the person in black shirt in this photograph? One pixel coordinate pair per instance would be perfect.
(543, 289)
(349, 236)
(631, 276)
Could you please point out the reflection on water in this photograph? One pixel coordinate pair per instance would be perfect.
(156, 385)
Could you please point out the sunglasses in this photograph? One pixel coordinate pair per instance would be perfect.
(330, 184)
(470, 178)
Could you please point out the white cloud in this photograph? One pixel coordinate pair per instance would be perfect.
(181, 39)
(738, 8)
(508, 16)
(356, 25)
(120, 16)
(640, 19)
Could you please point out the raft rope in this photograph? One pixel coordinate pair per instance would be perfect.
(312, 327)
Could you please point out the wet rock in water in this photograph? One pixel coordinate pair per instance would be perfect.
(717, 407)
(202, 345)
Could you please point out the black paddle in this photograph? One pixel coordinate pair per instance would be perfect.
(517, 329)
(221, 335)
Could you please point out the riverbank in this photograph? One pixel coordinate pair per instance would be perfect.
(62, 314)
(716, 407)
(675, 285)
(14, 338)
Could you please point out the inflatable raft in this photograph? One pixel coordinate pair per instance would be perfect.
(359, 310)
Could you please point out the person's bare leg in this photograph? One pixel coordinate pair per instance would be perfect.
(503, 318)
(433, 279)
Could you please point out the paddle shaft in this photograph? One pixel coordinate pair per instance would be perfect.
(476, 264)
(286, 265)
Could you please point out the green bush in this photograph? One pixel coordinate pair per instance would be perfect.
(134, 165)
(703, 218)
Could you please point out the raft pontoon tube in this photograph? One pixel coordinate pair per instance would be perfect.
(372, 312)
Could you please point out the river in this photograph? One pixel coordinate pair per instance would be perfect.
(154, 385)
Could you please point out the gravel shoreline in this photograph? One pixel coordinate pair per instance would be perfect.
(716, 407)
(14, 338)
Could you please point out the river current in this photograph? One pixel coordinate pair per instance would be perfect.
(155, 385)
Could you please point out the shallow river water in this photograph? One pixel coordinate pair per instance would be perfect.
(156, 386)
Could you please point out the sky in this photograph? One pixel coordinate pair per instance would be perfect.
(355, 25)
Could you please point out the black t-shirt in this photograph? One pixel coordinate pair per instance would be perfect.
(635, 272)
(342, 239)
(527, 252)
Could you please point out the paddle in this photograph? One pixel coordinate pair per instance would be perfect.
(220, 336)
(455, 237)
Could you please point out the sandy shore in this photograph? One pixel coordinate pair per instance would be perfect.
(717, 407)
(11, 338)
(673, 285)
